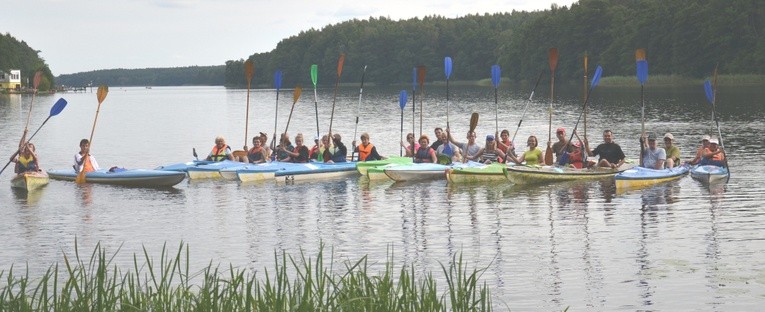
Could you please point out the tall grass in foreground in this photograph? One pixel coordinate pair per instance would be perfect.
(295, 284)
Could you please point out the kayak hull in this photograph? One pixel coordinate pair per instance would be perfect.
(257, 172)
(710, 174)
(212, 170)
(487, 173)
(315, 171)
(184, 166)
(131, 177)
(417, 172)
(639, 177)
(546, 174)
(363, 166)
(30, 181)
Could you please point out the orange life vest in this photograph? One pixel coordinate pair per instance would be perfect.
(718, 156)
(219, 155)
(364, 151)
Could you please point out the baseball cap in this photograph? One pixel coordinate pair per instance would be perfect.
(705, 137)
(490, 137)
(669, 136)
(561, 130)
(652, 137)
(713, 141)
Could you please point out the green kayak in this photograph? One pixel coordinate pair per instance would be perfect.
(363, 166)
(484, 173)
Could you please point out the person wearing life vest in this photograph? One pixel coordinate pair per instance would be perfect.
(220, 151)
(713, 155)
(257, 154)
(366, 150)
(26, 160)
(425, 154)
(80, 163)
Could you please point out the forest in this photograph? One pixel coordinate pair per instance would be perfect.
(685, 38)
(15, 54)
(176, 76)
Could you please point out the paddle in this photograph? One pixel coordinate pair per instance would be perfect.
(595, 81)
(35, 84)
(277, 86)
(402, 104)
(249, 71)
(585, 92)
(553, 60)
(414, 103)
(101, 95)
(340, 62)
(448, 72)
(642, 76)
(194, 153)
(711, 92)
(295, 98)
(314, 77)
(421, 81)
(527, 105)
(495, 77)
(55, 110)
(358, 108)
(473, 124)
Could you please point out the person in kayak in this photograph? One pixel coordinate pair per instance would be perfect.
(610, 154)
(533, 156)
(408, 145)
(673, 152)
(91, 164)
(366, 150)
(504, 144)
(437, 138)
(337, 151)
(219, 152)
(653, 156)
(700, 150)
(425, 154)
(447, 150)
(299, 153)
(284, 146)
(469, 150)
(257, 154)
(26, 160)
(562, 147)
(490, 153)
(264, 144)
(713, 155)
(314, 151)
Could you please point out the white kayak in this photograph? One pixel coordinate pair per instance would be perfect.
(710, 174)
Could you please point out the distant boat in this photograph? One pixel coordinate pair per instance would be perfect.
(148, 87)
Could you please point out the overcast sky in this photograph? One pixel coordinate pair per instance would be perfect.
(83, 35)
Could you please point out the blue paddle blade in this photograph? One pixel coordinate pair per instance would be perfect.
(495, 74)
(596, 77)
(402, 99)
(448, 67)
(708, 91)
(414, 78)
(278, 80)
(642, 71)
(58, 107)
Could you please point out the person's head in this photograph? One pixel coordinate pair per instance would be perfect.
(220, 141)
(608, 136)
(316, 140)
(84, 143)
(713, 143)
(263, 138)
(410, 137)
(29, 148)
(444, 137)
(299, 139)
(424, 140)
(561, 134)
(705, 141)
(438, 131)
(256, 141)
(652, 141)
(325, 140)
(668, 139)
(337, 138)
(532, 142)
(490, 141)
(365, 138)
(471, 136)
(504, 135)
(285, 139)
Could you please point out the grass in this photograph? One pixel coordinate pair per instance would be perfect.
(295, 284)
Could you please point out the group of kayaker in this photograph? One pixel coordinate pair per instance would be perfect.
(654, 157)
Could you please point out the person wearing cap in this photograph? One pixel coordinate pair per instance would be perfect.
(366, 150)
(504, 144)
(700, 150)
(653, 156)
(490, 153)
(713, 155)
(673, 152)
(314, 151)
(610, 154)
(468, 150)
(561, 147)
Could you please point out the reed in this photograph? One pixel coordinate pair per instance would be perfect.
(294, 284)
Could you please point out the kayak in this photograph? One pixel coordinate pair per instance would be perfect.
(363, 166)
(416, 172)
(710, 174)
(184, 166)
(129, 177)
(545, 174)
(638, 177)
(378, 173)
(315, 171)
(256, 172)
(481, 173)
(211, 170)
(30, 180)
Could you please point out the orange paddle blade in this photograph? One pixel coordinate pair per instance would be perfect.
(101, 93)
(639, 54)
(87, 166)
(296, 94)
(553, 58)
(421, 75)
(549, 156)
(249, 70)
(340, 65)
(36, 79)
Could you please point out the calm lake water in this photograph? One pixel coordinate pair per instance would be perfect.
(680, 246)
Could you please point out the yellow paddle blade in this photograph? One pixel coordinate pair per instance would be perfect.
(249, 70)
(87, 166)
(296, 94)
(553, 58)
(639, 54)
(101, 93)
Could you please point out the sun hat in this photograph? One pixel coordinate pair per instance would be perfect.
(705, 137)
(669, 136)
(713, 141)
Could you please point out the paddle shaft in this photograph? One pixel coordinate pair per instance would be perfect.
(316, 107)
(276, 113)
(642, 124)
(527, 105)
(358, 108)
(401, 148)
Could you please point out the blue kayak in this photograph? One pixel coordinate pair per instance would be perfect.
(255, 172)
(638, 177)
(211, 170)
(316, 170)
(184, 166)
(710, 174)
(129, 177)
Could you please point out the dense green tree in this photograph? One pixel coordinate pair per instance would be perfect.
(15, 54)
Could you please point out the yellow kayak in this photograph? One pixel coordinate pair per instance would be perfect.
(30, 180)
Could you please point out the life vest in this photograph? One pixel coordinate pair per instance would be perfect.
(219, 155)
(27, 164)
(423, 155)
(716, 157)
(364, 151)
(575, 159)
(255, 155)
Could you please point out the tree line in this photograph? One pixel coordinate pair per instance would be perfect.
(15, 54)
(683, 37)
(177, 76)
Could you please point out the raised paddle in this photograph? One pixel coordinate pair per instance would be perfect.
(55, 110)
(402, 104)
(585, 92)
(249, 71)
(340, 62)
(531, 97)
(358, 108)
(595, 81)
(414, 101)
(495, 77)
(295, 98)
(314, 77)
(100, 95)
(473, 124)
(421, 81)
(642, 76)
(711, 92)
(448, 73)
(35, 85)
(553, 60)
(277, 86)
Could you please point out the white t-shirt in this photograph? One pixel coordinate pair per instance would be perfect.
(651, 157)
(78, 162)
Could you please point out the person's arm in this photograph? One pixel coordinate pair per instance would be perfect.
(587, 149)
(477, 156)
(500, 153)
(433, 157)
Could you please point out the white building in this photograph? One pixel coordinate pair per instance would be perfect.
(10, 80)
